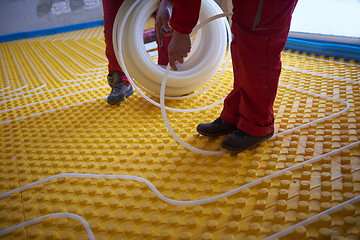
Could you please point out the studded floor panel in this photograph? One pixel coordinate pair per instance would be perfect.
(302, 184)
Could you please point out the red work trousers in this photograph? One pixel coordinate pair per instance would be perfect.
(260, 29)
(111, 8)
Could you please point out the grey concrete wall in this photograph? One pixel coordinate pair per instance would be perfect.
(18, 16)
(30, 15)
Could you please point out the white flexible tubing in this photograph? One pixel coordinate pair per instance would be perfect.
(59, 108)
(199, 67)
(87, 58)
(177, 202)
(49, 52)
(5, 73)
(162, 94)
(119, 30)
(167, 122)
(152, 187)
(64, 66)
(53, 215)
(26, 84)
(48, 91)
(317, 120)
(200, 151)
(51, 99)
(320, 74)
(117, 38)
(312, 219)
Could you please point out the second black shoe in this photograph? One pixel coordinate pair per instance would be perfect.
(240, 141)
(216, 128)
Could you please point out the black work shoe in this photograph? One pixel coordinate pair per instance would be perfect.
(216, 128)
(240, 141)
(119, 90)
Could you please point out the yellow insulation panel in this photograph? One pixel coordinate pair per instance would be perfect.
(55, 120)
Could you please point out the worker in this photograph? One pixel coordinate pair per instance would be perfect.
(260, 29)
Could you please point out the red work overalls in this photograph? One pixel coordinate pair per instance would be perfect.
(260, 29)
(111, 8)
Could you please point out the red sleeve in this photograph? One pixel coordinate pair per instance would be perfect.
(185, 15)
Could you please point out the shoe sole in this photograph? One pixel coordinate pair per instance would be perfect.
(244, 149)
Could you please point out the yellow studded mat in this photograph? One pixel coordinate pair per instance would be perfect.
(55, 120)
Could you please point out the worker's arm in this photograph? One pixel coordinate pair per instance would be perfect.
(185, 15)
(183, 18)
(162, 23)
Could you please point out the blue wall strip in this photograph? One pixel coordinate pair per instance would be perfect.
(336, 50)
(50, 31)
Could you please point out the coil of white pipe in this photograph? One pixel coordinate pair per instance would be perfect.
(212, 33)
(204, 60)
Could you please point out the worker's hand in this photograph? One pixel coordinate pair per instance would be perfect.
(179, 48)
(162, 25)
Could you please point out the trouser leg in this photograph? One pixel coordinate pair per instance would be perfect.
(260, 29)
(111, 8)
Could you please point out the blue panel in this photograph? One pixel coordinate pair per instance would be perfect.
(50, 31)
(336, 50)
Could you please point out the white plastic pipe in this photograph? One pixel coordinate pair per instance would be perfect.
(312, 219)
(52, 215)
(179, 202)
(166, 199)
(201, 65)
